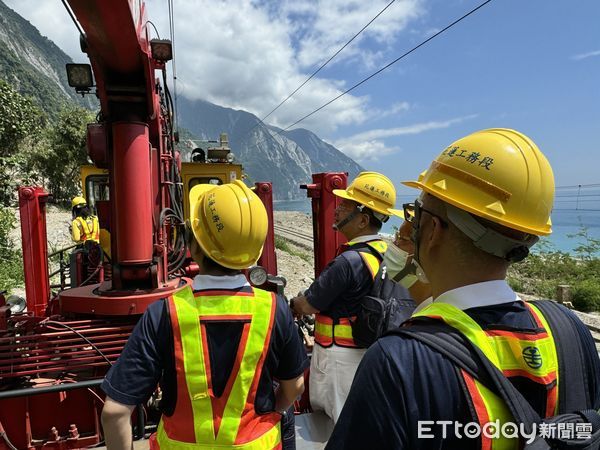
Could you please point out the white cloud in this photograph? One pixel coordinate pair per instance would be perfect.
(581, 56)
(326, 25)
(393, 110)
(250, 54)
(370, 145)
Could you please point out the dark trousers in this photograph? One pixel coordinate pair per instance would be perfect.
(288, 430)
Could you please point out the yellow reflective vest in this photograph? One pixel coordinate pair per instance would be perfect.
(83, 230)
(201, 420)
(329, 331)
(517, 353)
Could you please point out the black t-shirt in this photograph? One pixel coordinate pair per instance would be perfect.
(337, 291)
(148, 358)
(401, 381)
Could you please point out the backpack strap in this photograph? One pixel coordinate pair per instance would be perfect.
(464, 354)
(459, 350)
(573, 389)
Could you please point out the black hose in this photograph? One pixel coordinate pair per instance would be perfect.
(53, 322)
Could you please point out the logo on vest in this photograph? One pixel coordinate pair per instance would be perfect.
(532, 357)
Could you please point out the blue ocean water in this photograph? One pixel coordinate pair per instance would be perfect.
(566, 221)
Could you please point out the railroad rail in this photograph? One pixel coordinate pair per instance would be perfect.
(295, 236)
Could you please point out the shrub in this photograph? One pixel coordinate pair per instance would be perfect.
(586, 295)
(11, 269)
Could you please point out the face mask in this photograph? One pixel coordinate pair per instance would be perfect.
(395, 261)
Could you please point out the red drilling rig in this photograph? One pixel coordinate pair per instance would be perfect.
(54, 355)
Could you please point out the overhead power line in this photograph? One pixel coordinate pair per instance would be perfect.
(321, 67)
(387, 66)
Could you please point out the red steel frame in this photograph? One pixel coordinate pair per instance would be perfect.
(324, 203)
(32, 210)
(268, 259)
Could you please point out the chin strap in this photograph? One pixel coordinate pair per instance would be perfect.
(488, 240)
(342, 223)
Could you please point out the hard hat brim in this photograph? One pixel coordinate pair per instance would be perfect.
(396, 212)
(468, 208)
(342, 193)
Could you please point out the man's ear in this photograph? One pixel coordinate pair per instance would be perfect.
(365, 221)
(437, 230)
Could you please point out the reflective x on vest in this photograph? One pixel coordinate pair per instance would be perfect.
(327, 332)
(201, 420)
(515, 353)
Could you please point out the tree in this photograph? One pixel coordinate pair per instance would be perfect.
(21, 123)
(19, 118)
(60, 155)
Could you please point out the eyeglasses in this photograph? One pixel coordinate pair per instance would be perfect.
(412, 213)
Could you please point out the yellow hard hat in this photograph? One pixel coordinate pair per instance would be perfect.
(498, 174)
(229, 223)
(373, 190)
(78, 201)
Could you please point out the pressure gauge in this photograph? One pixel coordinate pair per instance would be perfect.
(257, 275)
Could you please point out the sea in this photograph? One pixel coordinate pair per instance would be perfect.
(567, 223)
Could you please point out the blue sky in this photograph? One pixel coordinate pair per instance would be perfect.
(530, 65)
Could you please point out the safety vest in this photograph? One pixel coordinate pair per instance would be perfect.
(90, 228)
(329, 331)
(202, 421)
(517, 353)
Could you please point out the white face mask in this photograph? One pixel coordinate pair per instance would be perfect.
(395, 261)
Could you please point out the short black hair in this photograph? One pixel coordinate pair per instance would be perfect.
(211, 264)
(374, 222)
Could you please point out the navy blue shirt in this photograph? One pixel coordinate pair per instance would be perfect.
(337, 291)
(401, 381)
(148, 358)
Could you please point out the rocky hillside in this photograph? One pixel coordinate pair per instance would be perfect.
(287, 159)
(33, 64)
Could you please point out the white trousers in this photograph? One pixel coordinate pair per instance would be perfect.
(332, 370)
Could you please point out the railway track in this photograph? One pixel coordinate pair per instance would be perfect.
(302, 239)
(295, 236)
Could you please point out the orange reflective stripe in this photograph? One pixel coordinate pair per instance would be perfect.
(323, 330)
(479, 407)
(371, 261)
(327, 333)
(87, 233)
(176, 427)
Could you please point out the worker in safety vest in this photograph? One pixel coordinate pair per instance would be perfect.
(334, 297)
(217, 346)
(485, 200)
(85, 226)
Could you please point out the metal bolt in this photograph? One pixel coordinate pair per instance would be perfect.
(73, 431)
(53, 436)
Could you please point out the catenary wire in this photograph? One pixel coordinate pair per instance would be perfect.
(447, 27)
(320, 68)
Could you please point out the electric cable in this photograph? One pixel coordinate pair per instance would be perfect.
(320, 68)
(55, 323)
(172, 34)
(154, 26)
(413, 49)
